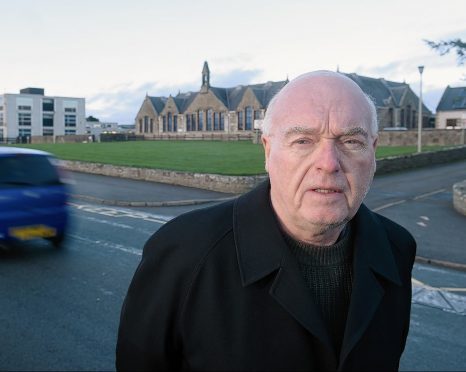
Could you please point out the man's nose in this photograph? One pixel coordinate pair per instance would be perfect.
(327, 156)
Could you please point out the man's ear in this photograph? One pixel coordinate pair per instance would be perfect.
(266, 144)
(374, 144)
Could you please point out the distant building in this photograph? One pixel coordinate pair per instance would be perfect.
(451, 110)
(237, 109)
(96, 128)
(396, 103)
(212, 109)
(31, 113)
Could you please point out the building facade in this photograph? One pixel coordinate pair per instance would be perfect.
(31, 113)
(397, 105)
(211, 110)
(242, 108)
(451, 110)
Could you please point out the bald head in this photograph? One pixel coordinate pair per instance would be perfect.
(319, 91)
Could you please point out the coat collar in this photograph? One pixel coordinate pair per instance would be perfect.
(261, 250)
(260, 245)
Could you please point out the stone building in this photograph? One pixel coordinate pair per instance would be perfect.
(212, 109)
(451, 110)
(396, 103)
(236, 110)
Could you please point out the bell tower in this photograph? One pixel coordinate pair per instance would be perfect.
(205, 78)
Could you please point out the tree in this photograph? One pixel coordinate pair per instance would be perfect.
(444, 47)
(91, 118)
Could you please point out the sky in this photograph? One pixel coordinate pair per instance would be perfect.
(114, 52)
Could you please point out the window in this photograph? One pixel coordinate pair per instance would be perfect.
(140, 125)
(216, 120)
(24, 103)
(175, 123)
(1, 119)
(69, 132)
(24, 108)
(70, 106)
(70, 109)
(209, 120)
(451, 122)
(222, 121)
(240, 120)
(248, 111)
(164, 120)
(47, 132)
(47, 120)
(1, 108)
(402, 117)
(24, 132)
(47, 104)
(146, 124)
(169, 122)
(193, 122)
(151, 125)
(201, 120)
(24, 119)
(70, 121)
(188, 122)
(257, 115)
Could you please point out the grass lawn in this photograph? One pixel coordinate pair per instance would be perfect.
(233, 157)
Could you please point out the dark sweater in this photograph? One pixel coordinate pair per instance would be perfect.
(327, 271)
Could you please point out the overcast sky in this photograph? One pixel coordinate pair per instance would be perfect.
(113, 52)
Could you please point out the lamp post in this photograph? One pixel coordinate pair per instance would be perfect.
(419, 120)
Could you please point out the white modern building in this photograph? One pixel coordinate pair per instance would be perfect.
(31, 113)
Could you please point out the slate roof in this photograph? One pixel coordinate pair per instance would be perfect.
(453, 99)
(377, 89)
(158, 103)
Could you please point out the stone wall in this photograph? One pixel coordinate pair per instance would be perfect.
(75, 138)
(430, 137)
(240, 184)
(459, 197)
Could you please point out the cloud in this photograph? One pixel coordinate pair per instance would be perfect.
(120, 103)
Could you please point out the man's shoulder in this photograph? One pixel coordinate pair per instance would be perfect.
(193, 233)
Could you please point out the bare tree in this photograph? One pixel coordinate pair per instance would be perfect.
(444, 47)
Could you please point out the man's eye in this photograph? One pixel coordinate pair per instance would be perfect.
(354, 144)
(303, 141)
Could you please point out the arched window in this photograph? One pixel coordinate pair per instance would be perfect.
(222, 121)
(164, 119)
(151, 125)
(201, 120)
(248, 112)
(140, 125)
(175, 123)
(193, 122)
(169, 122)
(188, 122)
(216, 121)
(240, 120)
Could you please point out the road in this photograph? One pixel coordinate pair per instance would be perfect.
(60, 308)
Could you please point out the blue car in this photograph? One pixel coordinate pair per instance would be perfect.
(33, 197)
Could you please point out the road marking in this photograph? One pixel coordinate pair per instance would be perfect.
(389, 205)
(439, 297)
(120, 212)
(116, 224)
(422, 196)
(107, 244)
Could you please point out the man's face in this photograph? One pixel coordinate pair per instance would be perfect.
(320, 153)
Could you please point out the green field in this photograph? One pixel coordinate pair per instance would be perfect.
(232, 158)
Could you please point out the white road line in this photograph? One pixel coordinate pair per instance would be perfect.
(429, 194)
(121, 212)
(389, 205)
(116, 224)
(107, 244)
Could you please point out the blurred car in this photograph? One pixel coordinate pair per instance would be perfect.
(33, 197)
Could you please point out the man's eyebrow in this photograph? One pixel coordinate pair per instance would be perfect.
(356, 131)
(299, 130)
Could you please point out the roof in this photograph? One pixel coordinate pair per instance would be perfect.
(377, 89)
(9, 150)
(158, 103)
(453, 99)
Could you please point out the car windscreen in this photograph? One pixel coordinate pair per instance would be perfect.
(26, 169)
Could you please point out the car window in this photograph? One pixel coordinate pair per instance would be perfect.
(22, 169)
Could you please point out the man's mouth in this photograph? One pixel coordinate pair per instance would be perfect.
(326, 191)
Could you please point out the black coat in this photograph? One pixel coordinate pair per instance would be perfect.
(217, 289)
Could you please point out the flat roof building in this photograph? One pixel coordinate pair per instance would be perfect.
(32, 113)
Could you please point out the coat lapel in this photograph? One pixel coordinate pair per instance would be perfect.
(373, 260)
(262, 250)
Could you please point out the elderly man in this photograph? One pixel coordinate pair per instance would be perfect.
(295, 275)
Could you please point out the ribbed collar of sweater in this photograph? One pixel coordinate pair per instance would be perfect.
(322, 255)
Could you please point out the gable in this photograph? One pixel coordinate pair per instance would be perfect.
(204, 101)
